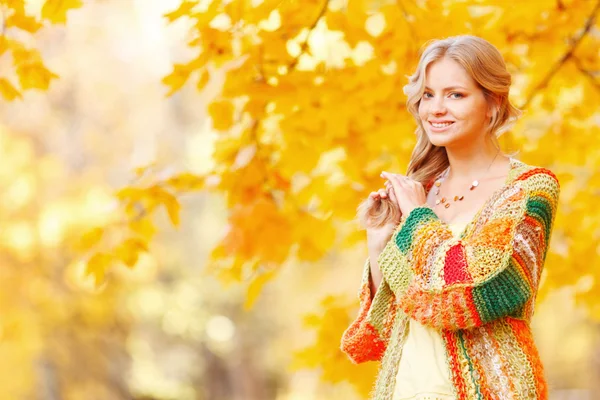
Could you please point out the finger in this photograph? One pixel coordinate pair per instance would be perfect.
(383, 193)
(392, 195)
(395, 181)
(394, 177)
(374, 195)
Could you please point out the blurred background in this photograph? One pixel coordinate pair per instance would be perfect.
(180, 179)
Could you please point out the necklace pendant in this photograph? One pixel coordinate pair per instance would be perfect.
(447, 205)
(437, 202)
(438, 183)
(474, 185)
(443, 199)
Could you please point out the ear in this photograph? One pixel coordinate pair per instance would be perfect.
(493, 105)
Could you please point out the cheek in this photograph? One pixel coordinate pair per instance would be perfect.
(422, 111)
(462, 111)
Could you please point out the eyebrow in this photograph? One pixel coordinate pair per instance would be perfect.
(449, 88)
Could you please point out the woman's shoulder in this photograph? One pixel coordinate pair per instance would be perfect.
(525, 182)
(533, 177)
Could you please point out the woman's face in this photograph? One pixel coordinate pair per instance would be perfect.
(453, 109)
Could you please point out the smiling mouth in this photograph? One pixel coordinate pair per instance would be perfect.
(442, 125)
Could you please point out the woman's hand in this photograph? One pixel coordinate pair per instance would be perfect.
(408, 193)
(378, 236)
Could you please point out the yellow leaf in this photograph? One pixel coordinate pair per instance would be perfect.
(203, 18)
(185, 8)
(255, 288)
(24, 22)
(186, 182)
(8, 91)
(97, 265)
(169, 201)
(176, 79)
(221, 113)
(173, 208)
(204, 78)
(143, 227)
(90, 239)
(34, 76)
(15, 46)
(357, 12)
(18, 6)
(56, 10)
(130, 194)
(128, 252)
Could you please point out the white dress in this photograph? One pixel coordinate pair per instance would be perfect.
(423, 372)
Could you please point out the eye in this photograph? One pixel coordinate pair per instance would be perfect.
(458, 94)
(426, 94)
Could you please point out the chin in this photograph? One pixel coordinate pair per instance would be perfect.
(441, 139)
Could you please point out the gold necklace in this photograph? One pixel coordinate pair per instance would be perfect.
(473, 186)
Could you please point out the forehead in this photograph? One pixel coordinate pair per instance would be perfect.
(445, 73)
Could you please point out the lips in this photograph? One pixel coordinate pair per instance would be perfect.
(441, 124)
(440, 128)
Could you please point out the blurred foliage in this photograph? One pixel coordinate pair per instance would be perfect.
(21, 20)
(51, 326)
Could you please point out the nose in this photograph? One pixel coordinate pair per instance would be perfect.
(438, 107)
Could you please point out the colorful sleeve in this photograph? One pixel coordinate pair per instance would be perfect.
(367, 336)
(462, 283)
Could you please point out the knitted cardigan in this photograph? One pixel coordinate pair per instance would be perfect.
(478, 290)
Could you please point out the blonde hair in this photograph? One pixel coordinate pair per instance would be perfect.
(484, 63)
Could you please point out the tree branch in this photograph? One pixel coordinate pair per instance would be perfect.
(304, 45)
(587, 73)
(574, 43)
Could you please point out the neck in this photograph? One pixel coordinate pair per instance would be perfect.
(472, 162)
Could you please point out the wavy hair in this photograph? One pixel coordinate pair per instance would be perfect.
(484, 63)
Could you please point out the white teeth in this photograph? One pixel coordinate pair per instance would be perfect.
(436, 125)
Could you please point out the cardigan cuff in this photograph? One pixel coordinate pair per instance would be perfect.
(417, 217)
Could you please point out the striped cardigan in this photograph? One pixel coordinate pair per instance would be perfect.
(478, 290)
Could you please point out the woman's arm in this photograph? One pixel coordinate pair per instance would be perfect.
(464, 283)
(375, 273)
(367, 336)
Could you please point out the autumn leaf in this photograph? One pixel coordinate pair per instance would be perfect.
(24, 22)
(255, 287)
(56, 10)
(35, 76)
(203, 80)
(186, 182)
(221, 112)
(185, 8)
(90, 238)
(97, 265)
(177, 78)
(8, 91)
(144, 227)
(129, 250)
(357, 12)
(161, 196)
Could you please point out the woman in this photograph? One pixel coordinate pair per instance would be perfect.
(456, 247)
